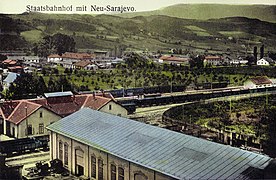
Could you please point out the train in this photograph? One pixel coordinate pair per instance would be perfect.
(132, 103)
(19, 146)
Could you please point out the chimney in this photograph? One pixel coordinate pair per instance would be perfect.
(94, 95)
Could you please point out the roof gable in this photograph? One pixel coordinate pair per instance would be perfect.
(20, 111)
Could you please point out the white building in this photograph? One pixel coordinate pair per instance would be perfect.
(265, 61)
(258, 82)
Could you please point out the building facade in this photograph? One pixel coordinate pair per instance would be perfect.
(101, 146)
(27, 120)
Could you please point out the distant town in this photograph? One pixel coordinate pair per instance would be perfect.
(71, 108)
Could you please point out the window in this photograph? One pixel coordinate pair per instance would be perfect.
(60, 151)
(93, 166)
(121, 173)
(140, 176)
(41, 128)
(113, 172)
(29, 130)
(66, 154)
(110, 107)
(40, 115)
(100, 169)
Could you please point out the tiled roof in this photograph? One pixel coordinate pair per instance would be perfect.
(17, 111)
(72, 55)
(54, 56)
(63, 106)
(96, 102)
(174, 58)
(212, 58)
(174, 154)
(261, 80)
(82, 63)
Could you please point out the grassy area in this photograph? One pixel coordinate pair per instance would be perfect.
(32, 35)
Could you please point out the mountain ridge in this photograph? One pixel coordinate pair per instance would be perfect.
(211, 11)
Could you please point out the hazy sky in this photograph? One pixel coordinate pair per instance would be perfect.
(19, 6)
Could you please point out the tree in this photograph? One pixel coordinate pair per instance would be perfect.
(271, 130)
(26, 85)
(56, 44)
(255, 54)
(3, 57)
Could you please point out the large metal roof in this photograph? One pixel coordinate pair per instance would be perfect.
(174, 154)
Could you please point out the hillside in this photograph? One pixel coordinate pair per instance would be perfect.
(156, 32)
(212, 11)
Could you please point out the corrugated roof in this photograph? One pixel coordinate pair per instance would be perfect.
(58, 94)
(11, 77)
(171, 153)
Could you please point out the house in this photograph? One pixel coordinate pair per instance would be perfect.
(26, 59)
(82, 64)
(54, 58)
(103, 146)
(258, 82)
(265, 61)
(11, 77)
(50, 108)
(214, 60)
(174, 60)
(23, 118)
(69, 56)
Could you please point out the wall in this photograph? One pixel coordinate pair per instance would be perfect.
(47, 118)
(130, 169)
(116, 109)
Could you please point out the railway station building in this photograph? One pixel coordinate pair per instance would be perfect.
(27, 118)
(101, 146)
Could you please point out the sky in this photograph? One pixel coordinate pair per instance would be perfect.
(19, 6)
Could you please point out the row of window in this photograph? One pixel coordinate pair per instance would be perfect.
(29, 130)
(97, 163)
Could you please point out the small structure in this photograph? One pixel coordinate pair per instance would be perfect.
(103, 146)
(214, 60)
(265, 61)
(258, 82)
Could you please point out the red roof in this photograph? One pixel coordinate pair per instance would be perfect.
(15, 111)
(82, 63)
(71, 55)
(173, 58)
(213, 58)
(54, 56)
(261, 80)
(96, 102)
(9, 61)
